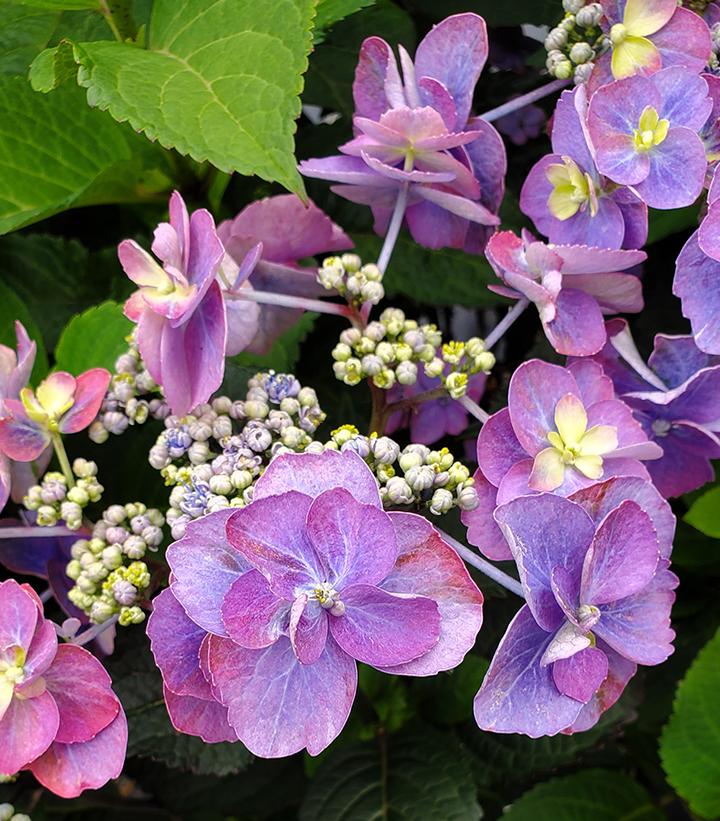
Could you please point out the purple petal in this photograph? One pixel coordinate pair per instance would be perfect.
(618, 160)
(489, 162)
(685, 100)
(356, 543)
(435, 94)
(69, 769)
(535, 389)
(385, 629)
(482, 529)
(377, 84)
(632, 439)
(518, 695)
(685, 463)
(27, 729)
(21, 438)
(697, 284)
(278, 706)
(459, 206)
(569, 137)
(593, 384)
(205, 718)
(175, 643)
(638, 627)
(427, 566)
(454, 52)
(20, 617)
(601, 498)
(581, 675)
(205, 252)
(204, 566)
(578, 328)
(433, 227)
(622, 558)
(350, 170)
(90, 391)
(313, 474)
(683, 41)
(498, 448)
(83, 694)
(675, 359)
(677, 171)
(545, 532)
(308, 629)
(253, 615)
(271, 535)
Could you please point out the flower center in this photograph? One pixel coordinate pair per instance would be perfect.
(661, 427)
(618, 34)
(651, 130)
(12, 670)
(572, 191)
(328, 598)
(588, 616)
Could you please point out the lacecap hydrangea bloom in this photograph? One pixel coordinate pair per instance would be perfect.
(598, 599)
(59, 717)
(271, 606)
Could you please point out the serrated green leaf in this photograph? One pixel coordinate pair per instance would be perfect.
(137, 682)
(285, 352)
(52, 67)
(219, 82)
(93, 339)
(600, 795)
(690, 743)
(330, 12)
(12, 308)
(56, 153)
(443, 277)
(704, 514)
(420, 774)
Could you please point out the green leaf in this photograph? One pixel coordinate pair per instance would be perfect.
(93, 339)
(58, 278)
(12, 308)
(137, 682)
(219, 82)
(415, 775)
(664, 223)
(690, 743)
(56, 153)
(704, 514)
(285, 352)
(52, 67)
(23, 32)
(444, 277)
(330, 12)
(602, 795)
(61, 5)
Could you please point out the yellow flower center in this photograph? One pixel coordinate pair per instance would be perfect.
(618, 34)
(572, 190)
(651, 130)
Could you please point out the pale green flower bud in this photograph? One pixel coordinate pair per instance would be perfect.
(96, 572)
(581, 53)
(241, 479)
(485, 362)
(256, 409)
(442, 501)
(350, 337)
(456, 384)
(435, 367)
(6, 812)
(101, 611)
(385, 379)
(365, 345)
(375, 331)
(341, 352)
(46, 516)
(385, 350)
(406, 373)
(474, 346)
(221, 484)
(372, 292)
(98, 433)
(112, 557)
(307, 397)
(351, 262)
(131, 615)
(114, 515)
(290, 405)
(408, 460)
(403, 352)
(73, 570)
(458, 473)
(78, 495)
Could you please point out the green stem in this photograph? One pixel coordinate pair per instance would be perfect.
(118, 16)
(62, 458)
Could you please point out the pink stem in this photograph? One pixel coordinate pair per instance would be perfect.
(520, 102)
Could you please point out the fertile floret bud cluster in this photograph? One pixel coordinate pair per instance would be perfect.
(109, 574)
(574, 44)
(7, 813)
(53, 501)
(392, 350)
(356, 282)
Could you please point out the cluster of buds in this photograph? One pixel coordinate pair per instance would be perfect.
(391, 350)
(7, 813)
(574, 44)
(356, 282)
(213, 457)
(129, 400)
(109, 574)
(714, 61)
(414, 476)
(54, 501)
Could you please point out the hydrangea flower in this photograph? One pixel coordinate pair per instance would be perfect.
(61, 404)
(571, 286)
(431, 421)
(566, 196)
(178, 306)
(675, 399)
(563, 430)
(59, 717)
(710, 132)
(416, 133)
(645, 133)
(697, 276)
(647, 35)
(270, 606)
(598, 604)
(15, 370)
(306, 232)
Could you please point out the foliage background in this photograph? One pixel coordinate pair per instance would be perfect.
(75, 180)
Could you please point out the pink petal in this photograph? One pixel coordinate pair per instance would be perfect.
(253, 615)
(69, 769)
(482, 529)
(90, 390)
(578, 328)
(385, 629)
(20, 438)
(581, 675)
(205, 718)
(27, 729)
(20, 617)
(308, 629)
(377, 85)
(142, 269)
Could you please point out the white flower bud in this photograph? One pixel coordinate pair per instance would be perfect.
(6, 812)
(442, 501)
(589, 16)
(434, 368)
(241, 479)
(581, 53)
(375, 331)
(372, 292)
(468, 498)
(350, 337)
(408, 460)
(485, 362)
(152, 535)
(420, 477)
(399, 491)
(101, 611)
(221, 484)
(96, 572)
(406, 373)
(198, 453)
(573, 6)
(582, 73)
(556, 39)
(98, 433)
(114, 515)
(134, 547)
(78, 495)
(456, 384)
(372, 364)
(385, 450)
(341, 352)
(351, 262)
(112, 556)
(290, 405)
(256, 409)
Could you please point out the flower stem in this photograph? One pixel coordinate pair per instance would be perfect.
(474, 409)
(93, 632)
(484, 566)
(393, 228)
(520, 102)
(46, 595)
(63, 459)
(31, 532)
(288, 301)
(499, 330)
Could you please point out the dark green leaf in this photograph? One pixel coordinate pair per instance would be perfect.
(690, 743)
(12, 308)
(330, 12)
(285, 352)
(417, 775)
(600, 795)
(93, 339)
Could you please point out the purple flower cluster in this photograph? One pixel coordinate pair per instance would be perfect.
(271, 606)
